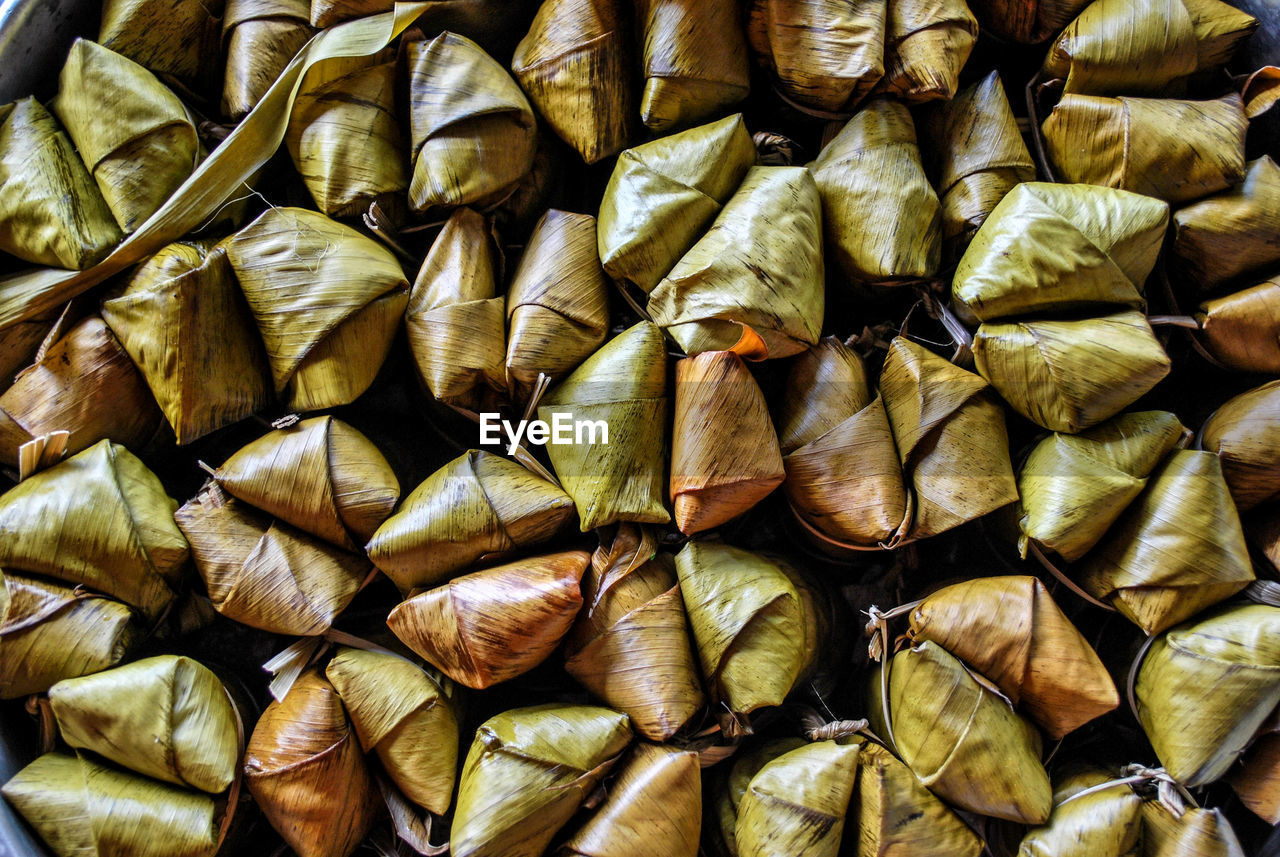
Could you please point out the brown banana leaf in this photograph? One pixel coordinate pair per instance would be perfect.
(881, 217)
(319, 475)
(1245, 435)
(1074, 487)
(167, 717)
(20, 344)
(304, 768)
(49, 633)
(526, 774)
(167, 38)
(630, 645)
(259, 38)
(406, 717)
(455, 323)
(1106, 823)
(558, 303)
(326, 13)
(724, 450)
(1198, 833)
(926, 43)
(1010, 630)
(1068, 376)
(135, 136)
(472, 131)
(951, 439)
(493, 625)
(51, 210)
(759, 266)
(1242, 330)
(183, 321)
(82, 809)
(327, 301)
(695, 61)
(266, 574)
(1053, 247)
(624, 384)
(575, 65)
(1256, 781)
(85, 384)
(1231, 234)
(478, 507)
(1191, 148)
(1026, 21)
(796, 803)
(823, 54)
(662, 196)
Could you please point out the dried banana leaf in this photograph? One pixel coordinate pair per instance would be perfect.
(259, 39)
(169, 38)
(1052, 247)
(1245, 435)
(304, 768)
(472, 131)
(727, 791)
(951, 439)
(926, 43)
(630, 645)
(527, 773)
(326, 13)
(344, 137)
(1177, 550)
(85, 384)
(51, 210)
(1242, 330)
(654, 807)
(135, 136)
(478, 507)
(1190, 148)
(1256, 781)
(724, 450)
(1119, 48)
(50, 632)
(979, 153)
(167, 717)
(824, 54)
(186, 326)
(1010, 630)
(1232, 233)
(319, 475)
(843, 476)
(1106, 823)
(405, 716)
(1070, 375)
(625, 385)
(759, 266)
(695, 61)
(20, 344)
(1198, 833)
(493, 625)
(962, 740)
(558, 302)
(1074, 487)
(662, 196)
(1236, 652)
(575, 66)
(83, 809)
(327, 300)
(796, 803)
(266, 574)
(1026, 21)
(100, 519)
(881, 217)
(457, 332)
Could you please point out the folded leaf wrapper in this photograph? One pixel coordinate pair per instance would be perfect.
(326, 13)
(695, 61)
(1026, 21)
(1242, 330)
(480, 506)
(527, 773)
(1232, 233)
(168, 38)
(1245, 435)
(167, 717)
(1106, 823)
(758, 266)
(796, 803)
(1198, 833)
(259, 39)
(327, 301)
(1256, 781)
(926, 44)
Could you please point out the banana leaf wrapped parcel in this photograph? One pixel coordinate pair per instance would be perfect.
(167, 38)
(926, 44)
(1196, 833)
(259, 39)
(727, 789)
(1245, 435)
(1256, 780)
(1026, 21)
(1103, 823)
(1242, 330)
(796, 803)
(1230, 234)
(326, 13)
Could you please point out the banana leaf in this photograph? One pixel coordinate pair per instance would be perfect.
(926, 43)
(1190, 148)
(1053, 247)
(526, 774)
(1068, 376)
(695, 61)
(1244, 434)
(1231, 234)
(796, 804)
(326, 13)
(575, 65)
(881, 217)
(320, 475)
(1106, 823)
(1026, 21)
(259, 38)
(727, 790)
(167, 38)
(20, 344)
(327, 301)
(1256, 781)
(183, 321)
(759, 266)
(663, 195)
(167, 717)
(1242, 330)
(1197, 833)
(478, 507)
